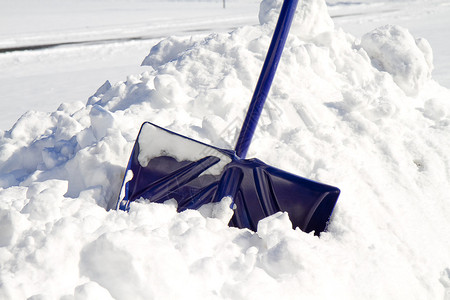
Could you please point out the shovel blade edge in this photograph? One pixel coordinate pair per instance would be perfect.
(165, 165)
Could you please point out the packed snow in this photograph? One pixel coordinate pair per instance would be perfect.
(361, 113)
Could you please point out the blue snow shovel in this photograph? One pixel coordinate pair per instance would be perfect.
(165, 165)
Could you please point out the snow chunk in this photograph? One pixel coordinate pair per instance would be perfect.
(99, 93)
(269, 10)
(169, 88)
(435, 109)
(273, 228)
(221, 210)
(101, 121)
(394, 50)
(167, 50)
(11, 223)
(30, 125)
(311, 17)
(45, 203)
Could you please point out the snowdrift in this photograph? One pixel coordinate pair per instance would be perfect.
(364, 115)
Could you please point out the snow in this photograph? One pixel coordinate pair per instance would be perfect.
(105, 39)
(154, 142)
(362, 111)
(394, 50)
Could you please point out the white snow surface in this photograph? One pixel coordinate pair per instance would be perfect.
(363, 114)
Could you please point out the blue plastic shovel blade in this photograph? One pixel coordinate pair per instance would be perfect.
(171, 166)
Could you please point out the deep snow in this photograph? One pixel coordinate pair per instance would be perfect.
(363, 114)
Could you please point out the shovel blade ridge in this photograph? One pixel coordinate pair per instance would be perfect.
(165, 165)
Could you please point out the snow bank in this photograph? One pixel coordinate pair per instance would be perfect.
(362, 115)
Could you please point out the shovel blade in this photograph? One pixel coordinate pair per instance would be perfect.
(165, 165)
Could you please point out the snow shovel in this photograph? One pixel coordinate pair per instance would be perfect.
(165, 165)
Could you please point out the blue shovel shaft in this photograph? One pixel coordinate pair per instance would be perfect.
(266, 77)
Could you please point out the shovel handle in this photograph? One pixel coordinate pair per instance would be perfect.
(266, 77)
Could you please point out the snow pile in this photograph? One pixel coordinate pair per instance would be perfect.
(363, 116)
